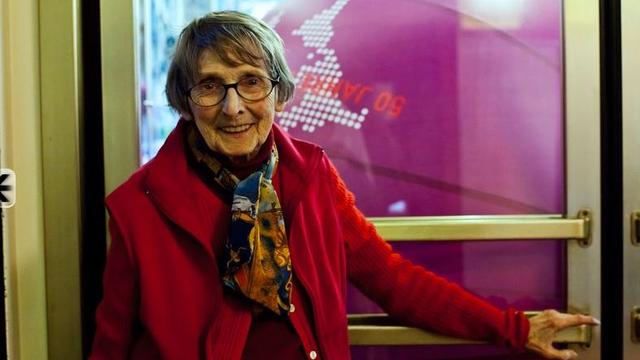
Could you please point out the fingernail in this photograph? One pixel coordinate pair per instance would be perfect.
(595, 321)
(570, 355)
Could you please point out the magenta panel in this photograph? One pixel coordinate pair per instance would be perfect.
(440, 107)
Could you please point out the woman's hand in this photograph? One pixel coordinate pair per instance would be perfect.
(544, 327)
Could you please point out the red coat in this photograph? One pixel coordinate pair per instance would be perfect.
(163, 292)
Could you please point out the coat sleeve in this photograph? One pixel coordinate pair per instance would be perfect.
(117, 313)
(414, 295)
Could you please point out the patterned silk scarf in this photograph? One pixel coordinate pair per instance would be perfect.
(256, 259)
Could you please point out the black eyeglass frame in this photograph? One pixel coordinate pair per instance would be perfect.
(226, 87)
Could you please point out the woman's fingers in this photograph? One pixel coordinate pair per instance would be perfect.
(549, 352)
(564, 321)
(554, 353)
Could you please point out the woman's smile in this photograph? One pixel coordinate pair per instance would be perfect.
(236, 129)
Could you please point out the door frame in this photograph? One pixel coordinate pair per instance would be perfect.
(630, 27)
(582, 142)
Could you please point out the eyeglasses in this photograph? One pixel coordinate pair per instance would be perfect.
(253, 88)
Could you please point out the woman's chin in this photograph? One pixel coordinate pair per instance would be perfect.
(238, 156)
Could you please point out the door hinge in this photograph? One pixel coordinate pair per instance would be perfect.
(635, 226)
(585, 215)
(635, 325)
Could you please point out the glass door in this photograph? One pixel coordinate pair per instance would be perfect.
(468, 130)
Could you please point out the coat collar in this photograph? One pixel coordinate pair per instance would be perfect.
(177, 190)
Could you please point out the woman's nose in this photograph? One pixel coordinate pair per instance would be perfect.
(232, 103)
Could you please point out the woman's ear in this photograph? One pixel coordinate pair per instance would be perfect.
(280, 105)
(186, 115)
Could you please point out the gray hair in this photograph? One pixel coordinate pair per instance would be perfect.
(234, 37)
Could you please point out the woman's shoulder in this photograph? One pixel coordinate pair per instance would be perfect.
(130, 192)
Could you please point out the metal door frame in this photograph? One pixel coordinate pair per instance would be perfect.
(582, 115)
(120, 98)
(630, 27)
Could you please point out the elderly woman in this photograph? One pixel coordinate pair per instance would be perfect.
(236, 241)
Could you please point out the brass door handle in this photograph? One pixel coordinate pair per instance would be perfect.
(486, 227)
(635, 324)
(380, 329)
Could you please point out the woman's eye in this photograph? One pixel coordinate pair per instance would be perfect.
(209, 86)
(252, 81)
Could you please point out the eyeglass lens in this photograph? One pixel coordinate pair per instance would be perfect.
(253, 88)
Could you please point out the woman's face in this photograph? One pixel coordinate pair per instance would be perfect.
(235, 127)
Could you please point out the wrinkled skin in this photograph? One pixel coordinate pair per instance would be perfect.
(544, 328)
